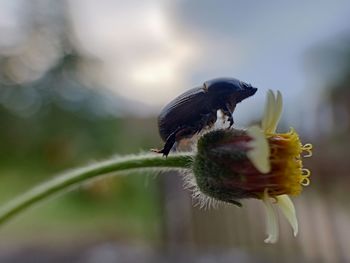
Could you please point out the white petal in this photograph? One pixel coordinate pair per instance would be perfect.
(259, 155)
(271, 220)
(273, 111)
(287, 207)
(276, 113)
(269, 108)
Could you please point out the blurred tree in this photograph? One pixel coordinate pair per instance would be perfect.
(331, 63)
(54, 115)
(56, 120)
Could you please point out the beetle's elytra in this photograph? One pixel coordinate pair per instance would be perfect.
(197, 108)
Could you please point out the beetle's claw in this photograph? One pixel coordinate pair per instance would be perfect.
(154, 150)
(230, 119)
(160, 151)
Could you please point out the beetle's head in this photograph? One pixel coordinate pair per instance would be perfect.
(232, 89)
(246, 90)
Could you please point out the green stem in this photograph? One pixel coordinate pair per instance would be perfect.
(79, 176)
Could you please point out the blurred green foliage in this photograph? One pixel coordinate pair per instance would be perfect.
(56, 123)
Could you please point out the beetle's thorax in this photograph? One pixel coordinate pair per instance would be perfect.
(219, 100)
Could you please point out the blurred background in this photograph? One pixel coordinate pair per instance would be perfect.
(83, 80)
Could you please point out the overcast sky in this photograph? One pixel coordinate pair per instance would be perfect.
(154, 50)
(157, 49)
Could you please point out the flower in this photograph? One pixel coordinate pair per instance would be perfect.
(255, 163)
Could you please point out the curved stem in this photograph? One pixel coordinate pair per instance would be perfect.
(76, 177)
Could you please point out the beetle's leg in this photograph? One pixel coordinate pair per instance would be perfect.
(228, 111)
(183, 132)
(229, 117)
(169, 143)
(208, 119)
(186, 132)
(175, 136)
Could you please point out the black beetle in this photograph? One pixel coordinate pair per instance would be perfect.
(197, 108)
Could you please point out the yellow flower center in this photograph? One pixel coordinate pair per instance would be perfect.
(287, 175)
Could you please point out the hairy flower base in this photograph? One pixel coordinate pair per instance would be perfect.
(223, 169)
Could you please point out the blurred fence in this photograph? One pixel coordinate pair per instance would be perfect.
(324, 225)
